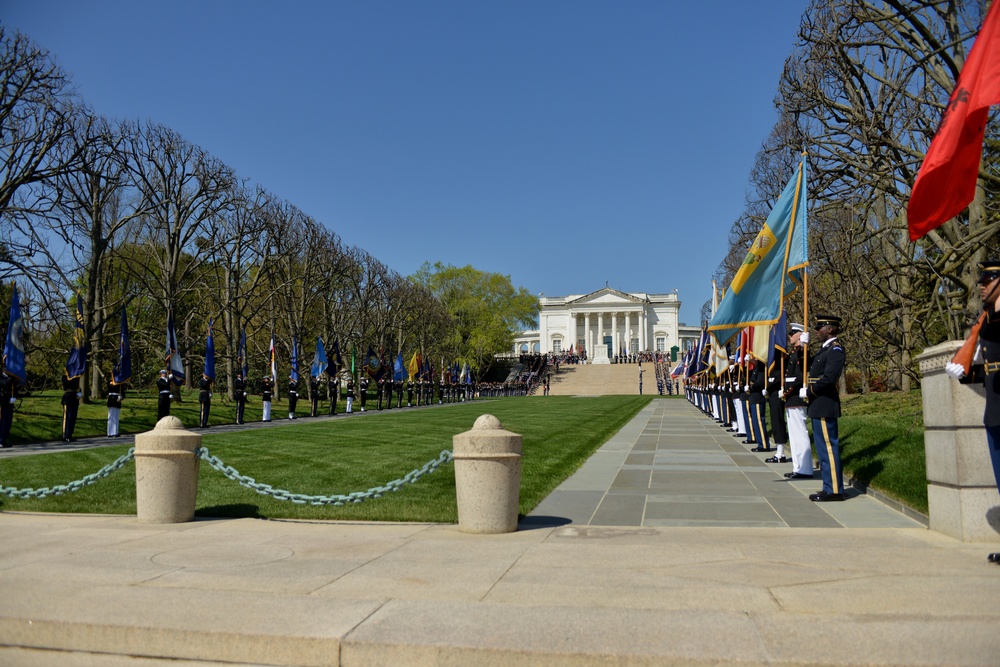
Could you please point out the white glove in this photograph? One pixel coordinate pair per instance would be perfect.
(764, 392)
(79, 394)
(747, 358)
(746, 388)
(210, 394)
(13, 401)
(954, 370)
(804, 337)
(803, 393)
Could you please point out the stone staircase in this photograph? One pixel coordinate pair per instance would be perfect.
(600, 380)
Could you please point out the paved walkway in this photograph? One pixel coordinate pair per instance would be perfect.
(672, 466)
(705, 556)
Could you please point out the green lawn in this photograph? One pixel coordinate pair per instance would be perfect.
(345, 455)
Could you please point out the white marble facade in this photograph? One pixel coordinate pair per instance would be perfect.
(624, 322)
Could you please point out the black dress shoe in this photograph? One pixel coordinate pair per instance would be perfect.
(824, 497)
(775, 459)
(797, 475)
(749, 442)
(761, 449)
(993, 558)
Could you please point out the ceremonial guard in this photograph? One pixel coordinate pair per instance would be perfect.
(350, 396)
(441, 392)
(387, 392)
(399, 393)
(71, 404)
(776, 405)
(313, 396)
(795, 406)
(333, 387)
(240, 396)
(824, 406)
(205, 399)
(409, 393)
(987, 333)
(8, 397)
(293, 396)
(265, 398)
(116, 392)
(363, 392)
(379, 391)
(163, 394)
(758, 422)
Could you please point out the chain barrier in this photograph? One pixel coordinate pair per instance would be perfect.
(336, 499)
(59, 489)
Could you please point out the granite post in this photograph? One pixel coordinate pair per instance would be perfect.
(961, 490)
(166, 472)
(487, 477)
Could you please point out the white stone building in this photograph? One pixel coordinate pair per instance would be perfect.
(617, 320)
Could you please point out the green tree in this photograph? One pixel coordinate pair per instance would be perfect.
(487, 311)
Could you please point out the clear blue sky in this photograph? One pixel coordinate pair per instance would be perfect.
(563, 143)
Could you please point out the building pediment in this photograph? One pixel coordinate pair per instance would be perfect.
(606, 296)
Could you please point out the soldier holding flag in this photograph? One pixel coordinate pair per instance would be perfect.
(74, 370)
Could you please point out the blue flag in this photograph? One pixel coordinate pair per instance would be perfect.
(122, 371)
(319, 362)
(338, 361)
(373, 364)
(209, 372)
(78, 353)
(241, 355)
(398, 370)
(13, 349)
(172, 355)
(294, 373)
(773, 268)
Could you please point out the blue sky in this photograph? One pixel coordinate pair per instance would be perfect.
(561, 143)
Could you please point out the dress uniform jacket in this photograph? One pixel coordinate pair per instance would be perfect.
(793, 379)
(116, 393)
(824, 374)
(989, 340)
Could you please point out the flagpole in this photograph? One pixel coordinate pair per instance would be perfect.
(805, 324)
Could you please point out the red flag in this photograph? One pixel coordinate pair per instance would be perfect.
(946, 182)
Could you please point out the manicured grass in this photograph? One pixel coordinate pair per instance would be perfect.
(345, 455)
(38, 418)
(882, 444)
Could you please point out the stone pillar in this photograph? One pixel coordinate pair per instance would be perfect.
(642, 330)
(961, 491)
(587, 346)
(166, 472)
(487, 477)
(614, 333)
(600, 331)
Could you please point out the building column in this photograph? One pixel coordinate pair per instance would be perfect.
(600, 330)
(642, 330)
(614, 333)
(586, 334)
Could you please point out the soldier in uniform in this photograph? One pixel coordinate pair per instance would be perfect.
(379, 391)
(824, 406)
(776, 406)
(441, 392)
(795, 406)
(205, 399)
(333, 386)
(758, 423)
(313, 396)
(71, 404)
(987, 331)
(265, 398)
(163, 394)
(293, 396)
(350, 396)
(409, 393)
(363, 392)
(399, 393)
(387, 392)
(116, 392)
(8, 397)
(240, 395)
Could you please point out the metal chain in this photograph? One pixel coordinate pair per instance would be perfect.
(336, 499)
(59, 489)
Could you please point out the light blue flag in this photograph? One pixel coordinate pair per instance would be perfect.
(773, 268)
(293, 374)
(398, 370)
(319, 362)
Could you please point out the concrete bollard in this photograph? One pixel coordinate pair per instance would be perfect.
(487, 477)
(166, 473)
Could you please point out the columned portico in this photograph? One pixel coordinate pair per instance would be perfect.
(639, 322)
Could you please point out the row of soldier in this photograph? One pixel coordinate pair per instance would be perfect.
(791, 388)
